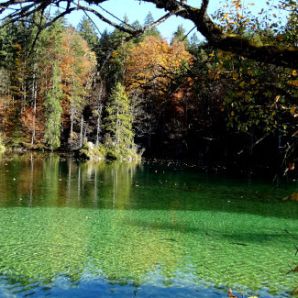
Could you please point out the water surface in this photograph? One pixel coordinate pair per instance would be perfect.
(86, 230)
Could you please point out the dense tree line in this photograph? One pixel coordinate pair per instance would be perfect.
(177, 99)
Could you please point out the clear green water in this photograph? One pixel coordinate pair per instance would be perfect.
(83, 230)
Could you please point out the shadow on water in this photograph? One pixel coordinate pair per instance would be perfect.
(234, 237)
(50, 180)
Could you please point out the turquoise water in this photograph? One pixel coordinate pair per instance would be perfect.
(87, 230)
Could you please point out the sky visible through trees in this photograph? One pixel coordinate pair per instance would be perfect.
(135, 11)
(210, 101)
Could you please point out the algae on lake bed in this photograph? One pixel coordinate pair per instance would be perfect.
(143, 227)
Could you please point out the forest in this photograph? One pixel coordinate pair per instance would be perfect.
(140, 163)
(116, 95)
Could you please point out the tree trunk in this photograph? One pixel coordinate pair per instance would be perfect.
(98, 127)
(71, 125)
(34, 95)
(99, 112)
(82, 131)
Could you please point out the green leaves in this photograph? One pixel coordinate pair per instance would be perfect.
(54, 111)
(119, 138)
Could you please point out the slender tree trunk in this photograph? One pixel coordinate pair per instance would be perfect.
(71, 124)
(23, 89)
(98, 127)
(85, 132)
(82, 131)
(117, 127)
(24, 96)
(34, 94)
(99, 112)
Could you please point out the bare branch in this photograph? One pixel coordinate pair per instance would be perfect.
(104, 19)
(277, 55)
(91, 20)
(157, 22)
(274, 54)
(115, 17)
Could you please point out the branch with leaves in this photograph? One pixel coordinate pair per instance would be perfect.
(286, 56)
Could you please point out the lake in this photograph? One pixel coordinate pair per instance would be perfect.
(73, 229)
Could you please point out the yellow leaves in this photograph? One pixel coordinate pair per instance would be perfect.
(77, 60)
(17, 47)
(214, 74)
(277, 98)
(253, 82)
(154, 61)
(294, 73)
(293, 111)
(115, 54)
(242, 84)
(235, 76)
(226, 16)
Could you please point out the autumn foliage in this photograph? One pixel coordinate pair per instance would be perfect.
(154, 62)
(181, 99)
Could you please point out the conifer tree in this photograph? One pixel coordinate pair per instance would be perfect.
(180, 36)
(152, 31)
(53, 111)
(193, 44)
(118, 122)
(88, 31)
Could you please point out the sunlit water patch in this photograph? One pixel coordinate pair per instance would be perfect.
(70, 230)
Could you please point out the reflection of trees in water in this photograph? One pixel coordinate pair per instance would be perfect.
(51, 180)
(102, 185)
(41, 243)
(21, 175)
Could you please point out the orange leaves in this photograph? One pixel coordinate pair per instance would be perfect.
(28, 121)
(77, 60)
(293, 83)
(77, 64)
(237, 4)
(154, 61)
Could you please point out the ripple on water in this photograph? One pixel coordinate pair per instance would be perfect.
(132, 246)
(89, 230)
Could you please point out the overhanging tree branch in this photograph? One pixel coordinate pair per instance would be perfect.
(214, 34)
(106, 20)
(277, 55)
